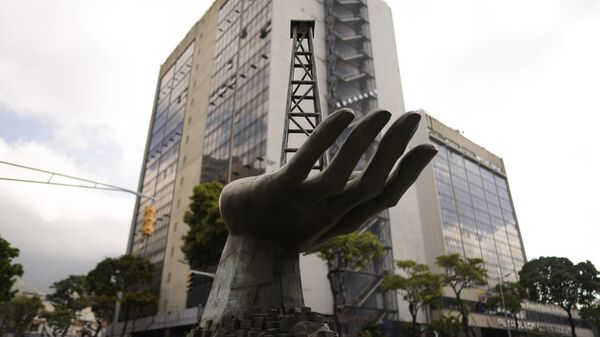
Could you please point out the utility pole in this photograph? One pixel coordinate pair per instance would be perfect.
(502, 298)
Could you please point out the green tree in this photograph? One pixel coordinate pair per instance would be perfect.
(591, 313)
(558, 281)
(343, 253)
(69, 298)
(59, 320)
(459, 274)
(9, 270)
(137, 304)
(419, 287)
(17, 314)
(129, 275)
(103, 307)
(446, 326)
(514, 295)
(372, 329)
(102, 291)
(204, 242)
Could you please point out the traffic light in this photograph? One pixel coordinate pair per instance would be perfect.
(190, 282)
(149, 220)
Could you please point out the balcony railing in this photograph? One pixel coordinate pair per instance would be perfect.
(348, 36)
(352, 2)
(348, 18)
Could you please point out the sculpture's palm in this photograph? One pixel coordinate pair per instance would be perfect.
(299, 212)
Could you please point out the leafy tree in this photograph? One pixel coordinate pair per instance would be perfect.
(514, 295)
(68, 299)
(103, 288)
(446, 326)
(60, 320)
(591, 313)
(204, 242)
(372, 329)
(129, 275)
(70, 292)
(102, 279)
(459, 274)
(347, 252)
(137, 304)
(103, 307)
(8, 270)
(419, 287)
(558, 281)
(18, 314)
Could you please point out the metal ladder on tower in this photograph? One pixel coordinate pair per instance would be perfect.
(303, 107)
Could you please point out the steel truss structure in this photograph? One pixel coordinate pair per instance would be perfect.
(303, 107)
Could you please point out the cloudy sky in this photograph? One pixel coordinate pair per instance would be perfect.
(77, 80)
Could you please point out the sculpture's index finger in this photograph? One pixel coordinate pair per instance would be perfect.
(320, 140)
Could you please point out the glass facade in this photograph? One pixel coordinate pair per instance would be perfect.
(236, 126)
(478, 220)
(235, 137)
(161, 162)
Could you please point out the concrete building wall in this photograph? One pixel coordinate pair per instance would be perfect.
(464, 143)
(389, 94)
(416, 233)
(406, 217)
(281, 48)
(389, 91)
(174, 274)
(385, 58)
(313, 270)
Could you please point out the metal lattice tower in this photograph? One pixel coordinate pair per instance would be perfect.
(303, 107)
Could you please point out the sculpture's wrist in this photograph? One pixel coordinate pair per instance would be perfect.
(253, 272)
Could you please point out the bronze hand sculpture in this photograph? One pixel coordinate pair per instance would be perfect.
(273, 217)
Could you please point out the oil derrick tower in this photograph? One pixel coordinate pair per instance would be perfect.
(351, 84)
(303, 107)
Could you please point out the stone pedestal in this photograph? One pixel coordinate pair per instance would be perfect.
(283, 322)
(252, 273)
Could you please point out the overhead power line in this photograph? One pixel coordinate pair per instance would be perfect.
(94, 184)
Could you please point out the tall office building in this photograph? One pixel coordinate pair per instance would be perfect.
(218, 115)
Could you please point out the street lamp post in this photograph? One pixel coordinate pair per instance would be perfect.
(502, 298)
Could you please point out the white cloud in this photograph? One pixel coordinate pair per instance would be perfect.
(90, 65)
(64, 222)
(521, 79)
(89, 70)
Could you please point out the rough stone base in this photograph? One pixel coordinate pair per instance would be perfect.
(290, 322)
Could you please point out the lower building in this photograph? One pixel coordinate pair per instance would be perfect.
(462, 204)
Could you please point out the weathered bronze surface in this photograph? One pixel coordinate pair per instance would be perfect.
(273, 217)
